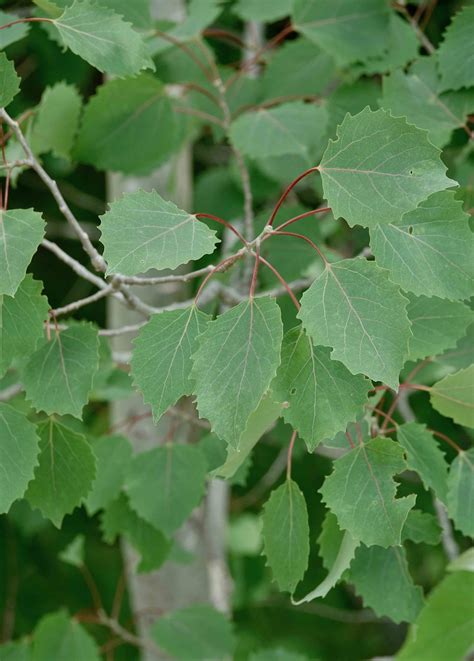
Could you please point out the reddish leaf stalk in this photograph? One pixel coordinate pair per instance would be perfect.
(313, 212)
(305, 238)
(282, 280)
(288, 191)
(26, 20)
(221, 221)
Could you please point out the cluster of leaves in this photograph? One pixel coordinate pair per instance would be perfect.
(365, 324)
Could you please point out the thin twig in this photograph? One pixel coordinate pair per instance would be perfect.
(80, 303)
(125, 634)
(97, 260)
(76, 266)
(164, 279)
(10, 392)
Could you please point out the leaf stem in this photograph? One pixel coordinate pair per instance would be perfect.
(221, 221)
(26, 20)
(282, 280)
(313, 212)
(288, 191)
(305, 238)
(290, 454)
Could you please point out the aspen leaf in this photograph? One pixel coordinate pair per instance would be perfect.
(381, 577)
(161, 360)
(428, 251)
(436, 325)
(67, 363)
(378, 168)
(237, 358)
(102, 38)
(424, 456)
(455, 55)
(461, 492)
(9, 81)
(142, 230)
(453, 396)
(286, 535)
(353, 307)
(346, 31)
(57, 632)
(361, 492)
(22, 319)
(65, 472)
(431, 638)
(21, 232)
(322, 395)
(177, 474)
(18, 455)
(197, 632)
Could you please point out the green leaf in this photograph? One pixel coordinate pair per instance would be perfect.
(322, 395)
(238, 356)
(16, 651)
(299, 67)
(200, 14)
(353, 307)
(455, 56)
(424, 456)
(142, 230)
(178, 473)
(161, 360)
(113, 454)
(258, 423)
(73, 554)
(286, 535)
(291, 128)
(351, 98)
(65, 472)
(443, 629)
(343, 558)
(57, 121)
(436, 325)
(102, 38)
(9, 81)
(137, 110)
(58, 636)
(119, 519)
(349, 33)
(464, 562)
(402, 47)
(18, 455)
(379, 168)
(421, 527)
(381, 577)
(461, 493)
(428, 251)
(198, 632)
(361, 493)
(415, 95)
(58, 377)
(21, 232)
(21, 323)
(14, 33)
(453, 396)
(263, 10)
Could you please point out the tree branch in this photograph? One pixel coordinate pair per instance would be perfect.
(97, 260)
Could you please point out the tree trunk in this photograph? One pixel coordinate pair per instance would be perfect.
(205, 579)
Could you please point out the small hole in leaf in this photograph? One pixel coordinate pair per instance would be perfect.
(411, 172)
(410, 229)
(292, 391)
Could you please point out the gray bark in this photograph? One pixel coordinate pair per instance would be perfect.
(205, 579)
